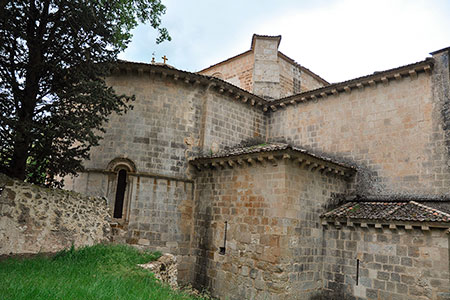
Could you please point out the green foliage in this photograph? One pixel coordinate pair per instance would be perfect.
(97, 272)
(54, 102)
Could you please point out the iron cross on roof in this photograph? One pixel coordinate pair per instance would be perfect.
(164, 58)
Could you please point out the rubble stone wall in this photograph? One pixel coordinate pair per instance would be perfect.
(35, 219)
(393, 264)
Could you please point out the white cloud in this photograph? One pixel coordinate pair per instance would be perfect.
(338, 40)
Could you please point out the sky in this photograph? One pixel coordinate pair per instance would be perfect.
(336, 39)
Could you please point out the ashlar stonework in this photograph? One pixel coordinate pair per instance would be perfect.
(246, 172)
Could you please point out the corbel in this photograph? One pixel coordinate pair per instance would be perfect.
(360, 86)
(265, 108)
(175, 77)
(408, 227)
(313, 167)
(273, 107)
(412, 74)
(384, 80)
(221, 90)
(398, 76)
(186, 80)
(378, 225)
(364, 225)
(323, 95)
(392, 226)
(427, 70)
(240, 162)
(425, 227)
(222, 164)
(252, 102)
(272, 159)
(334, 92)
(286, 156)
(244, 99)
(347, 89)
(237, 97)
(372, 83)
(282, 105)
(261, 159)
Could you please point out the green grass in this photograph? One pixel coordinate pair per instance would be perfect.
(97, 272)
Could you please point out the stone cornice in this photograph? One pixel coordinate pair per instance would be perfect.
(231, 91)
(237, 94)
(382, 224)
(383, 77)
(302, 159)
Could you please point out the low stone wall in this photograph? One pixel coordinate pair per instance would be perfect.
(35, 219)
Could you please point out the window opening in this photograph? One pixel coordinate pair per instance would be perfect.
(120, 193)
(222, 249)
(357, 271)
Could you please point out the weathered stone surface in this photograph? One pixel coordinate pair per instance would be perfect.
(164, 269)
(35, 219)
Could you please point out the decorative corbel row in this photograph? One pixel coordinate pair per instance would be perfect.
(300, 160)
(380, 224)
(361, 83)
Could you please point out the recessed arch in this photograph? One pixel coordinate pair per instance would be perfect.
(121, 163)
(218, 75)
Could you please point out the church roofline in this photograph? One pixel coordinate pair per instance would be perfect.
(269, 153)
(447, 49)
(398, 73)
(226, 60)
(235, 93)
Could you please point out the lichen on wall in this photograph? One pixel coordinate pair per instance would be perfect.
(34, 219)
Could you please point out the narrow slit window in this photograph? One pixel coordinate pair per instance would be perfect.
(357, 271)
(120, 193)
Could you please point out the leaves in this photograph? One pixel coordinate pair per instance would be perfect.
(54, 56)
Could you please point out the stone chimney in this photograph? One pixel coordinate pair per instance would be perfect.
(266, 72)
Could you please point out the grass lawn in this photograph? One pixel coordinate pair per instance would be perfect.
(97, 272)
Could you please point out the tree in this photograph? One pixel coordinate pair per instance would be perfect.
(54, 57)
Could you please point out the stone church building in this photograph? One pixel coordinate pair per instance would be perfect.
(268, 182)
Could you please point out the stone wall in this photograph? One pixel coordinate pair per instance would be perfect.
(237, 71)
(294, 79)
(393, 264)
(273, 243)
(35, 219)
(171, 121)
(228, 123)
(393, 132)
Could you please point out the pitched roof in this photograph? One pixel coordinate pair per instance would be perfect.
(410, 70)
(412, 211)
(234, 92)
(272, 151)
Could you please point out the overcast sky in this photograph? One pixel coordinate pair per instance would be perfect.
(336, 39)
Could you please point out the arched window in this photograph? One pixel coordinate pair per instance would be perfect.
(120, 193)
(120, 187)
